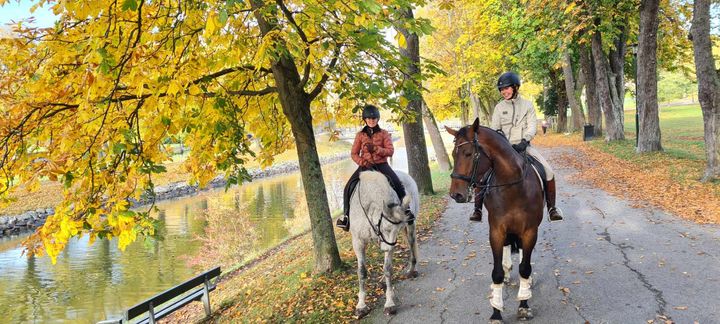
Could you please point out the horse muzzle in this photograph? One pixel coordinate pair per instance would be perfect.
(459, 197)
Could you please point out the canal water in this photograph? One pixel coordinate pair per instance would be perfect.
(95, 282)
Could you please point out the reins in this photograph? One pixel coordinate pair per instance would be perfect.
(375, 229)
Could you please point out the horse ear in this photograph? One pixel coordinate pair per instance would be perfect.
(476, 124)
(451, 131)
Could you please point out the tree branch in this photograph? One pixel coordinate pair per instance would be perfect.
(321, 84)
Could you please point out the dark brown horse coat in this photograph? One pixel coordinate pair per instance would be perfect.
(514, 198)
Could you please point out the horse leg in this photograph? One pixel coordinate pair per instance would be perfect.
(507, 263)
(410, 271)
(390, 308)
(497, 239)
(525, 269)
(361, 308)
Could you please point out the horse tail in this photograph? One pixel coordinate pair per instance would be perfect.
(514, 241)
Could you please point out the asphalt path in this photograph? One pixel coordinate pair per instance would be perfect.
(608, 262)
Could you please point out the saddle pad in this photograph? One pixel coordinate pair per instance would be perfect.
(539, 170)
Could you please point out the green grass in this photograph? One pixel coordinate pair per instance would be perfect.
(681, 129)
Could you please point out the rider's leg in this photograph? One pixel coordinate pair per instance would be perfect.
(397, 184)
(479, 197)
(554, 212)
(344, 221)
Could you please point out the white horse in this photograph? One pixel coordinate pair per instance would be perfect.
(377, 215)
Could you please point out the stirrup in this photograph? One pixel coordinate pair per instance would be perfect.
(410, 216)
(344, 223)
(555, 214)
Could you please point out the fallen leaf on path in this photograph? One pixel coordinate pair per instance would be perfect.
(680, 307)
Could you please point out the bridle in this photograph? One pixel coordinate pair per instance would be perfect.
(478, 152)
(476, 161)
(376, 228)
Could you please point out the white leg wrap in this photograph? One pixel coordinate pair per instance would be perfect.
(507, 260)
(520, 254)
(497, 296)
(524, 293)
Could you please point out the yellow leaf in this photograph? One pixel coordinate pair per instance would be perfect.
(194, 90)
(401, 40)
(173, 88)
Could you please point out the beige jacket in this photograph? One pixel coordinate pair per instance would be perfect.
(516, 118)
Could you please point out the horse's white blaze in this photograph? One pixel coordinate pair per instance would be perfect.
(524, 293)
(497, 296)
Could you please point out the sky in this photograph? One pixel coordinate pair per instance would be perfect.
(14, 11)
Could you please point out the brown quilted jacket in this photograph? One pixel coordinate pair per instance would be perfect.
(382, 141)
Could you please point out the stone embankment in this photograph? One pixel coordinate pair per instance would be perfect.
(34, 218)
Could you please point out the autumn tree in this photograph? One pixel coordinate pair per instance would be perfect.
(647, 99)
(708, 86)
(90, 102)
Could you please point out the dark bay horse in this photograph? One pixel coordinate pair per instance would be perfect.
(514, 201)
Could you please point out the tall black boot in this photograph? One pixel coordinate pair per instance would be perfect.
(554, 213)
(479, 197)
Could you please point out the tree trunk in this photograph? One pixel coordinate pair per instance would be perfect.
(435, 137)
(559, 86)
(464, 111)
(593, 106)
(649, 133)
(708, 87)
(617, 66)
(570, 90)
(474, 102)
(613, 122)
(418, 164)
(296, 108)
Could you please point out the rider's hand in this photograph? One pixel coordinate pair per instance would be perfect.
(520, 147)
(366, 164)
(370, 147)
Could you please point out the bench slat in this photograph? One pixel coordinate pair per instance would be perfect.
(171, 293)
(167, 310)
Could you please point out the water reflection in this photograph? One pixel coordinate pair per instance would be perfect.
(95, 282)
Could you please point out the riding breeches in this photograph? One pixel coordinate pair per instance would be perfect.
(549, 174)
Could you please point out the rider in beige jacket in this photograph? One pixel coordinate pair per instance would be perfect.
(515, 116)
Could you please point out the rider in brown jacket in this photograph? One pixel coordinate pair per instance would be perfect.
(371, 150)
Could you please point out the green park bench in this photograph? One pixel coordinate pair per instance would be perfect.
(163, 304)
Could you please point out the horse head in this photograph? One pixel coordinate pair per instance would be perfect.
(380, 209)
(471, 162)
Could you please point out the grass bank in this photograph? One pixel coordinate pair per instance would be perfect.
(282, 288)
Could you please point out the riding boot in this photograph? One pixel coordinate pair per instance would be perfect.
(477, 214)
(554, 213)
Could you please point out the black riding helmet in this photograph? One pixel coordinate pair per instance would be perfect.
(508, 79)
(370, 111)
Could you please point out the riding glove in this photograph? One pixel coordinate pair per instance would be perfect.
(520, 147)
(370, 147)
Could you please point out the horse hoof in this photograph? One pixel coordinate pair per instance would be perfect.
(524, 314)
(362, 312)
(412, 274)
(392, 310)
